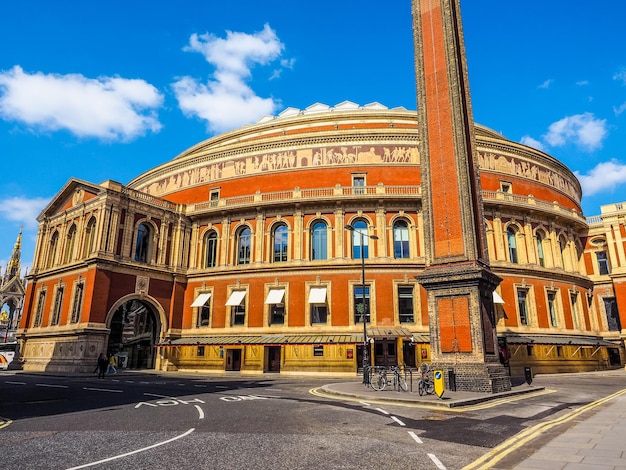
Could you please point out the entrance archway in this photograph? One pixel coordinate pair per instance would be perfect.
(134, 332)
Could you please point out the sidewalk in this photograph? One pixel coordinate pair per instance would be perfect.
(448, 399)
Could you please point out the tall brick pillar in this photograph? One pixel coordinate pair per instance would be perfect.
(457, 277)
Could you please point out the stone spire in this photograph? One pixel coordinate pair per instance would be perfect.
(13, 268)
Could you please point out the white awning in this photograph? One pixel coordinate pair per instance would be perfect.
(317, 295)
(201, 300)
(497, 299)
(236, 298)
(275, 296)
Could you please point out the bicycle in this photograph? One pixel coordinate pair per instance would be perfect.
(380, 379)
(425, 386)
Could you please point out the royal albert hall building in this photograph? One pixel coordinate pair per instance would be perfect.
(263, 250)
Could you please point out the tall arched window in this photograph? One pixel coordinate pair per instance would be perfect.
(210, 249)
(244, 241)
(563, 249)
(360, 237)
(540, 257)
(52, 249)
(319, 245)
(90, 237)
(280, 243)
(142, 246)
(400, 239)
(69, 244)
(511, 234)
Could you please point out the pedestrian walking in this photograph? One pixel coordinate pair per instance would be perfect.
(112, 364)
(102, 365)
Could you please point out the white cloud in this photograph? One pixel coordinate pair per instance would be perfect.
(226, 101)
(619, 109)
(546, 84)
(621, 76)
(109, 108)
(582, 82)
(23, 210)
(604, 177)
(528, 140)
(583, 130)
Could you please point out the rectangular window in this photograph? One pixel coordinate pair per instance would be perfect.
(405, 304)
(200, 351)
(361, 304)
(574, 300)
(318, 305)
(359, 184)
(41, 302)
(603, 263)
(202, 303)
(552, 308)
(58, 303)
(238, 307)
(529, 350)
(77, 303)
(612, 315)
(522, 306)
(275, 300)
(214, 197)
(318, 350)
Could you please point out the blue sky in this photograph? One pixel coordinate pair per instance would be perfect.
(108, 90)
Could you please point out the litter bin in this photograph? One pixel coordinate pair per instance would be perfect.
(451, 380)
(528, 374)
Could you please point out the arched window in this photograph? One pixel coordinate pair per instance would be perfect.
(210, 249)
(360, 237)
(400, 239)
(90, 237)
(319, 246)
(540, 257)
(244, 241)
(143, 243)
(511, 234)
(563, 249)
(52, 249)
(69, 244)
(280, 243)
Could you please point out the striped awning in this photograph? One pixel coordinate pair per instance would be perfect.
(560, 340)
(276, 340)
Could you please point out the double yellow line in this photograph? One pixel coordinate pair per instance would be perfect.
(4, 422)
(507, 447)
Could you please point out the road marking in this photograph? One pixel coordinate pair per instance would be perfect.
(382, 411)
(5, 423)
(221, 386)
(500, 452)
(437, 462)
(415, 437)
(203, 386)
(200, 412)
(159, 396)
(143, 449)
(51, 386)
(93, 389)
(14, 383)
(364, 403)
(242, 398)
(398, 421)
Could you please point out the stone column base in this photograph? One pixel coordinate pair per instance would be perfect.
(477, 377)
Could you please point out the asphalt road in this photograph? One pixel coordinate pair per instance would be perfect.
(176, 421)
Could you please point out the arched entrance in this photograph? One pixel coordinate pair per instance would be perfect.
(134, 329)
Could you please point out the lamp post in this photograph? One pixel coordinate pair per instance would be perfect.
(351, 228)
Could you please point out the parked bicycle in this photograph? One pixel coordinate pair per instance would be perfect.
(425, 386)
(391, 376)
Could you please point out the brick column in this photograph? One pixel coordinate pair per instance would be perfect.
(457, 277)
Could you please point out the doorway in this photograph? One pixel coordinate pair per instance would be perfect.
(233, 359)
(133, 335)
(408, 353)
(272, 355)
(385, 352)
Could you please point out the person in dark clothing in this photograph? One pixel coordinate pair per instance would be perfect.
(103, 363)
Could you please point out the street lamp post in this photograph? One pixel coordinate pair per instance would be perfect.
(351, 228)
